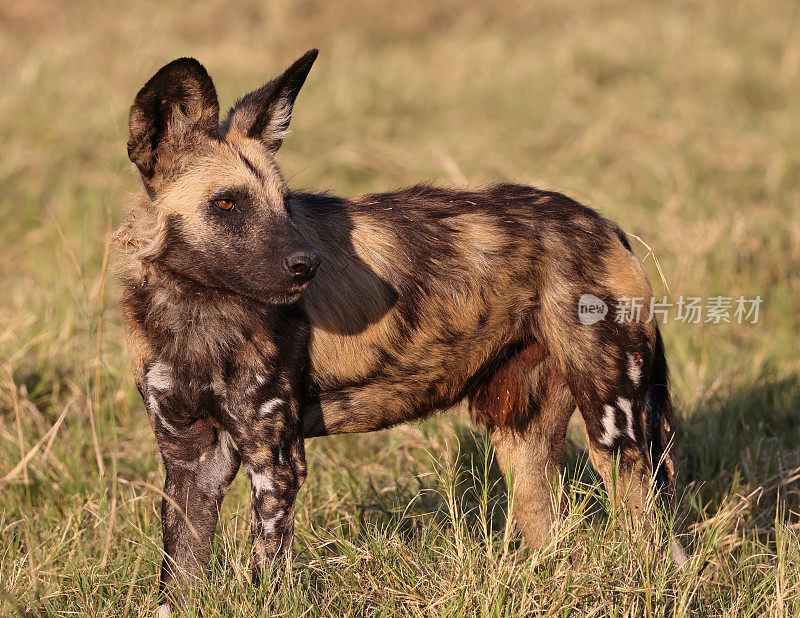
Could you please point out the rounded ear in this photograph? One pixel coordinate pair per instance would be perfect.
(179, 99)
(265, 113)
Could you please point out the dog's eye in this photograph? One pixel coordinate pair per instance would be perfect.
(224, 204)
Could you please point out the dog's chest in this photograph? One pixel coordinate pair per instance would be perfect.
(247, 388)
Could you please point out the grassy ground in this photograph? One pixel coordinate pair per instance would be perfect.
(680, 120)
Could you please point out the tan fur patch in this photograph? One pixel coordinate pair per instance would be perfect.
(626, 276)
(479, 239)
(140, 351)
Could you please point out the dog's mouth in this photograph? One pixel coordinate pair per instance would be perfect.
(297, 289)
(286, 296)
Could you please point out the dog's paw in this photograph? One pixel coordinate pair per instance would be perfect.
(163, 611)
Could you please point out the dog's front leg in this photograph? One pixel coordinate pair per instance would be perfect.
(273, 493)
(273, 454)
(201, 462)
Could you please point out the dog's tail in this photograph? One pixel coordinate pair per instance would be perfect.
(659, 423)
(661, 439)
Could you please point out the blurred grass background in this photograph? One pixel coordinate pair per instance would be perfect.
(680, 120)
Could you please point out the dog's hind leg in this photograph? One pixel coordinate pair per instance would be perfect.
(531, 459)
(618, 378)
(528, 435)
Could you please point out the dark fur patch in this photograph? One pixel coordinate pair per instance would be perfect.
(504, 399)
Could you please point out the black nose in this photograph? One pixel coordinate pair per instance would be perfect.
(302, 265)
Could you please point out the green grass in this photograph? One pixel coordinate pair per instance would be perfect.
(679, 120)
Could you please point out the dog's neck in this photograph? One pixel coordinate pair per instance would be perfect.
(189, 324)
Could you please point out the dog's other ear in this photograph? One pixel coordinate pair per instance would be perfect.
(265, 113)
(176, 105)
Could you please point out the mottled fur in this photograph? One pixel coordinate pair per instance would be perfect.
(425, 296)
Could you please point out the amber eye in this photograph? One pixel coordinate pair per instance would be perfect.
(224, 204)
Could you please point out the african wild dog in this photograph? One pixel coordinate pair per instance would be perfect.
(423, 297)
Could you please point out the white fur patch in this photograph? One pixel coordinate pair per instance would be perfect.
(625, 405)
(269, 524)
(260, 483)
(155, 410)
(254, 387)
(217, 464)
(152, 403)
(609, 426)
(634, 370)
(159, 377)
(269, 408)
(163, 611)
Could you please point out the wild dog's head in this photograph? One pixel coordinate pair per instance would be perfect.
(215, 194)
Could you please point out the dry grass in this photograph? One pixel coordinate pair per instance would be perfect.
(680, 120)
